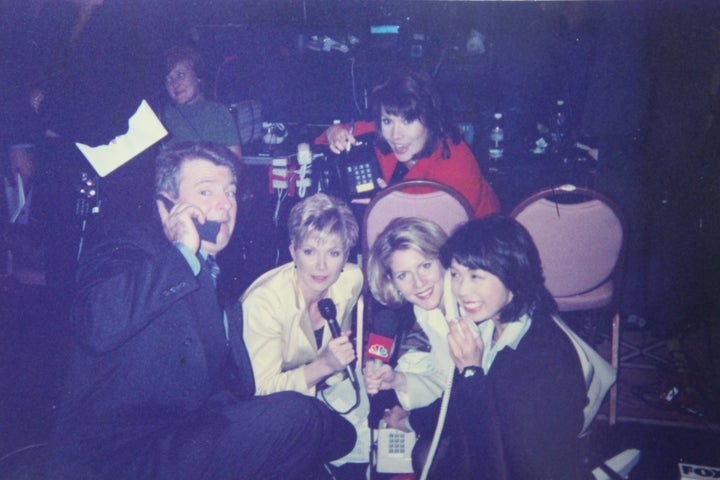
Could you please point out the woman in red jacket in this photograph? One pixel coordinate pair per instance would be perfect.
(415, 140)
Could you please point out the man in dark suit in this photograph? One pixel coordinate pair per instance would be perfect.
(160, 385)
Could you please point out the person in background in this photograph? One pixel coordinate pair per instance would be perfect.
(25, 188)
(160, 384)
(416, 141)
(404, 268)
(30, 157)
(32, 121)
(41, 157)
(190, 117)
(516, 402)
(289, 342)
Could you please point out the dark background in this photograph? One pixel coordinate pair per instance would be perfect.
(535, 52)
(640, 78)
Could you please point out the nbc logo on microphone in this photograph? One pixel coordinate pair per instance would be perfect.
(379, 347)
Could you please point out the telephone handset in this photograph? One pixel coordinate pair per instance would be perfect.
(208, 231)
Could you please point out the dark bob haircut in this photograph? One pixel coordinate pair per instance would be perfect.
(503, 247)
(411, 94)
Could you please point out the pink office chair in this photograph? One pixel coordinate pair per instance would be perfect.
(414, 198)
(579, 234)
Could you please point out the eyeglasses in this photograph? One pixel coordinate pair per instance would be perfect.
(180, 75)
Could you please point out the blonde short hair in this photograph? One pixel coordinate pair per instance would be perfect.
(323, 215)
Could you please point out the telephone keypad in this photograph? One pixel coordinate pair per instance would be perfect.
(362, 173)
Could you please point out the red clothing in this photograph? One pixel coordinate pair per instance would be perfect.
(459, 171)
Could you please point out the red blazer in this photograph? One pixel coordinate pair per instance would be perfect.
(459, 171)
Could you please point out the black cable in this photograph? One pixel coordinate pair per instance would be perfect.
(353, 407)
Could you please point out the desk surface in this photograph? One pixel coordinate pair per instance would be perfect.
(257, 160)
(520, 174)
(263, 155)
(259, 154)
(516, 176)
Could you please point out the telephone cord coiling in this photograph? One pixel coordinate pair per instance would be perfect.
(439, 427)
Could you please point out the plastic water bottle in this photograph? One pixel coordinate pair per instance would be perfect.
(559, 126)
(497, 137)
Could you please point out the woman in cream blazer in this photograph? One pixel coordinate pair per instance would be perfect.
(289, 342)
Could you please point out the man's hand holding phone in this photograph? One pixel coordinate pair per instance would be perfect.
(186, 224)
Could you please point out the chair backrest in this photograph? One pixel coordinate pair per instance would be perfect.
(579, 234)
(414, 198)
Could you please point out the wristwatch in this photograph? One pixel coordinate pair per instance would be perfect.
(470, 371)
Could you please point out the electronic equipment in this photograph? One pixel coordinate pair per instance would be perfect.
(382, 339)
(208, 231)
(248, 115)
(87, 204)
(361, 177)
(353, 173)
(275, 133)
(394, 450)
(361, 169)
(394, 447)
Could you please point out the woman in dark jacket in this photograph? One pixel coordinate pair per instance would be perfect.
(516, 403)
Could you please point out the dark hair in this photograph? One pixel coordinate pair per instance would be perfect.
(412, 95)
(503, 247)
(168, 163)
(184, 53)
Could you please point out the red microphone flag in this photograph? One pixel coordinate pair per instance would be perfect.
(379, 347)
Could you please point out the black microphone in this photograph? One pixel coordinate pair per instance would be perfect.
(329, 313)
(382, 339)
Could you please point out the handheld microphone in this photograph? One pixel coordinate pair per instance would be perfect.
(382, 338)
(329, 313)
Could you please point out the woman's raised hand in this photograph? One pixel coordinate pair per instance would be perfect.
(339, 138)
(465, 350)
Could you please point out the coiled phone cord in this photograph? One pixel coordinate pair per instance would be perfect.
(439, 427)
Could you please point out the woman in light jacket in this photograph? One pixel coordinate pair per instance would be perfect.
(289, 342)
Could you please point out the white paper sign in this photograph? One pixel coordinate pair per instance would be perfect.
(144, 130)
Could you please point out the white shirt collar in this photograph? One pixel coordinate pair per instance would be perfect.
(511, 336)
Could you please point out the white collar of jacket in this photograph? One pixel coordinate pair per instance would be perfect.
(511, 337)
